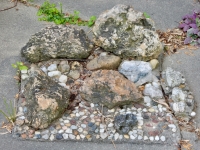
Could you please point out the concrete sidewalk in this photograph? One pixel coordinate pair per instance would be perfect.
(16, 27)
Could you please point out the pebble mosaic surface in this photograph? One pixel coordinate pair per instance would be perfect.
(153, 122)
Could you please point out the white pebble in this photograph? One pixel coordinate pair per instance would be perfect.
(144, 110)
(110, 125)
(63, 79)
(151, 138)
(147, 99)
(65, 136)
(81, 113)
(71, 136)
(54, 73)
(24, 76)
(66, 121)
(102, 126)
(52, 67)
(163, 138)
(82, 136)
(51, 137)
(77, 115)
(91, 105)
(146, 138)
(80, 129)
(173, 129)
(171, 126)
(132, 137)
(60, 131)
(83, 125)
(101, 130)
(44, 69)
(139, 137)
(24, 71)
(157, 138)
(116, 136)
(68, 130)
(193, 114)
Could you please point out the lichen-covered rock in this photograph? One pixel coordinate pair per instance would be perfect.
(104, 61)
(109, 88)
(127, 33)
(124, 123)
(138, 72)
(46, 100)
(57, 42)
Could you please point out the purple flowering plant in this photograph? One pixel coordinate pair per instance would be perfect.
(191, 25)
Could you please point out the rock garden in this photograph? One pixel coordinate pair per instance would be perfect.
(108, 88)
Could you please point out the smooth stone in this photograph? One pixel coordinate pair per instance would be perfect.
(132, 137)
(173, 129)
(52, 67)
(66, 121)
(153, 63)
(81, 113)
(73, 127)
(71, 136)
(171, 126)
(63, 79)
(24, 76)
(78, 137)
(140, 137)
(193, 114)
(83, 125)
(151, 138)
(126, 136)
(103, 135)
(52, 137)
(59, 136)
(110, 125)
(92, 105)
(102, 126)
(46, 136)
(24, 71)
(120, 137)
(68, 130)
(44, 69)
(82, 136)
(65, 136)
(146, 138)
(163, 138)
(101, 130)
(61, 131)
(80, 129)
(116, 136)
(54, 73)
(157, 138)
(75, 74)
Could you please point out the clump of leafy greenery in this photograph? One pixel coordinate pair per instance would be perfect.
(191, 25)
(146, 15)
(49, 12)
(20, 66)
(10, 115)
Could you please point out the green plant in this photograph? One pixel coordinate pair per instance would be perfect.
(20, 66)
(50, 13)
(11, 111)
(146, 15)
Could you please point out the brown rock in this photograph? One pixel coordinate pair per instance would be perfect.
(23, 136)
(104, 62)
(19, 122)
(75, 132)
(109, 88)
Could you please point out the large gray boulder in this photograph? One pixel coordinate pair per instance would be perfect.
(127, 33)
(109, 88)
(57, 42)
(46, 100)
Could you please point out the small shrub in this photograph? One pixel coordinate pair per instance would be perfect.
(50, 13)
(191, 25)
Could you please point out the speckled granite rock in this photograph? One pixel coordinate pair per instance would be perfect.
(46, 100)
(57, 42)
(127, 33)
(109, 88)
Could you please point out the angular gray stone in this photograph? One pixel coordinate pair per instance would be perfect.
(138, 72)
(104, 62)
(153, 90)
(46, 100)
(127, 33)
(57, 42)
(109, 88)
